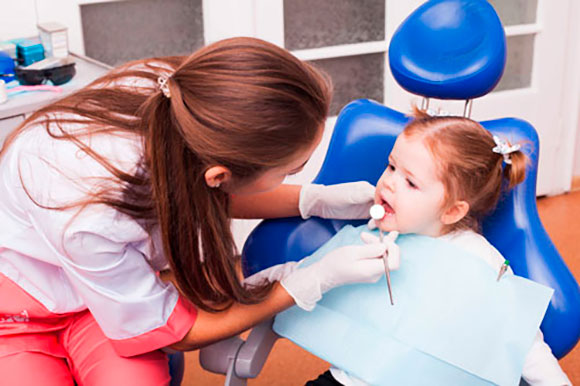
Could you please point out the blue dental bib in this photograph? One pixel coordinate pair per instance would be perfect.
(452, 322)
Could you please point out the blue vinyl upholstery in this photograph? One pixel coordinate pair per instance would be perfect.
(449, 49)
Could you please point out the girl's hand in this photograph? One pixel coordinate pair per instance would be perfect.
(351, 200)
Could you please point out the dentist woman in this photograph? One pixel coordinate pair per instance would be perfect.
(141, 172)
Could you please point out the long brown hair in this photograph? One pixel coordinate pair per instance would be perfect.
(242, 103)
(468, 168)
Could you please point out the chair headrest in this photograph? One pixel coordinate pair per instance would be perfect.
(449, 49)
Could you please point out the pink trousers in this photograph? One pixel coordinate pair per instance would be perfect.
(38, 348)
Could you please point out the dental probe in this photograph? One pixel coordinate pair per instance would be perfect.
(377, 213)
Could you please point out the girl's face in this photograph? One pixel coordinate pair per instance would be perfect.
(410, 190)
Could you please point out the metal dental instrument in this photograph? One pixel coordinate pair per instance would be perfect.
(377, 213)
(503, 269)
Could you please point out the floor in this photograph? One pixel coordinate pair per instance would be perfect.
(290, 365)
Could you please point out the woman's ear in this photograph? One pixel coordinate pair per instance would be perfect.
(455, 212)
(217, 175)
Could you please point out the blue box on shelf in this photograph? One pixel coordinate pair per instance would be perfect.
(29, 51)
(6, 67)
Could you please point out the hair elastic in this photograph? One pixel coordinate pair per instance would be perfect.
(163, 86)
(503, 147)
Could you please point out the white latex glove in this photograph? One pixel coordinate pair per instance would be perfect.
(274, 273)
(393, 250)
(345, 265)
(350, 200)
(372, 224)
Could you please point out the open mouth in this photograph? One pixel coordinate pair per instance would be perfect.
(388, 208)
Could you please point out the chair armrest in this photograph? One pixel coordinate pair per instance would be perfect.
(239, 359)
(218, 356)
(254, 352)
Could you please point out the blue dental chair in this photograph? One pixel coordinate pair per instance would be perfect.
(446, 49)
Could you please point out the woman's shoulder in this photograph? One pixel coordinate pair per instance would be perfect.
(122, 149)
(60, 170)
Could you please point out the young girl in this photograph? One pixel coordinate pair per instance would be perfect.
(142, 171)
(444, 175)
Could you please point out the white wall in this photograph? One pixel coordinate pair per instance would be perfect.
(576, 170)
(18, 19)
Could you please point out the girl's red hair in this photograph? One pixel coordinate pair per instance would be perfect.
(468, 168)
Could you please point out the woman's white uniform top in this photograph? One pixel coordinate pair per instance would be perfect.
(541, 368)
(95, 258)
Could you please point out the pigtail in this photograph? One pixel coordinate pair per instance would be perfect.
(515, 172)
(419, 114)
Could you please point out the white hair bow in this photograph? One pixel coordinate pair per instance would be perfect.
(503, 147)
(438, 113)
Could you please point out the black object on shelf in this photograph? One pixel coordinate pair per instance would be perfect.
(57, 75)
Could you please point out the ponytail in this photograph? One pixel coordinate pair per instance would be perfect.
(515, 173)
(194, 219)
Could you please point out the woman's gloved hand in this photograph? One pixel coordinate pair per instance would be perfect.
(345, 265)
(393, 250)
(274, 273)
(350, 200)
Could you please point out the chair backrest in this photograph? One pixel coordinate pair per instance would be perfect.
(447, 49)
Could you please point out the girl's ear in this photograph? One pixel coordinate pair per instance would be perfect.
(455, 212)
(217, 175)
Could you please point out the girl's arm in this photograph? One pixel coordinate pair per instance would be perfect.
(541, 367)
(212, 327)
(280, 202)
